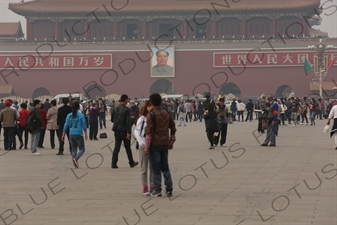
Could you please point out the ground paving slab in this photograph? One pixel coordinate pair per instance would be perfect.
(243, 183)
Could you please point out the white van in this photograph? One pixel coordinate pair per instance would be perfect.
(77, 96)
(175, 97)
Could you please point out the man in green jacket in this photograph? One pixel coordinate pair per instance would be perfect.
(8, 118)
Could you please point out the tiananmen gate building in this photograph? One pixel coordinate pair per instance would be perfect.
(102, 47)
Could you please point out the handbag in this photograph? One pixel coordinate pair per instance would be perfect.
(103, 135)
(326, 129)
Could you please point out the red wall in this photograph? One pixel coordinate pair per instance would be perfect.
(192, 68)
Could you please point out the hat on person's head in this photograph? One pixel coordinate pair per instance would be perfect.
(8, 102)
(221, 100)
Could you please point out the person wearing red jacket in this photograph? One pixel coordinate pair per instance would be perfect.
(43, 114)
(24, 113)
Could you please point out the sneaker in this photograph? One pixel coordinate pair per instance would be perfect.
(169, 193)
(223, 145)
(36, 153)
(301, 123)
(146, 191)
(114, 166)
(151, 188)
(212, 147)
(264, 145)
(75, 163)
(156, 194)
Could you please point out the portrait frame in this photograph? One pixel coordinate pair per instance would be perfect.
(156, 71)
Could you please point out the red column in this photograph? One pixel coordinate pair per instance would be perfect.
(57, 30)
(29, 30)
(144, 28)
(215, 28)
(186, 29)
(305, 26)
(87, 34)
(244, 28)
(116, 33)
(274, 26)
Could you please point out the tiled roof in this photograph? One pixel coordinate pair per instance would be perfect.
(87, 6)
(11, 30)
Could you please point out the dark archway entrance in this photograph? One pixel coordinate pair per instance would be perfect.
(283, 90)
(162, 86)
(95, 91)
(230, 88)
(40, 92)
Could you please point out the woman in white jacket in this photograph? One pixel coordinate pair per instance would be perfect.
(145, 163)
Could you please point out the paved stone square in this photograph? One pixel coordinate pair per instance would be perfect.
(243, 183)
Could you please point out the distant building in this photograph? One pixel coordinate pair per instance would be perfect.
(11, 31)
(101, 47)
(109, 20)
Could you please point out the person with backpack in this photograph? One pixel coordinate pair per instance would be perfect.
(145, 163)
(76, 125)
(160, 136)
(34, 126)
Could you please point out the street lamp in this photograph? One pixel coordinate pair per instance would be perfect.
(320, 62)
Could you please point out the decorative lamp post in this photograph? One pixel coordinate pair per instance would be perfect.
(321, 61)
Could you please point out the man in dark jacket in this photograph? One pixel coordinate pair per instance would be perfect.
(234, 109)
(62, 113)
(46, 105)
(120, 117)
(160, 136)
(250, 108)
(35, 134)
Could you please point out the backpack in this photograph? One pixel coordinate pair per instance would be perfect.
(31, 122)
(141, 130)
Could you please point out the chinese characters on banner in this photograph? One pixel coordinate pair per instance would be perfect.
(258, 58)
(56, 61)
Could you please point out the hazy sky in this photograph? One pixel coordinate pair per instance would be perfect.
(329, 16)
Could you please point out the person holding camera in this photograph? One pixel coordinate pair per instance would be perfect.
(222, 120)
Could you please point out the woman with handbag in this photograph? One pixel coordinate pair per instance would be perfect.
(211, 123)
(145, 163)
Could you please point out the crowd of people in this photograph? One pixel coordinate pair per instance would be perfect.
(155, 126)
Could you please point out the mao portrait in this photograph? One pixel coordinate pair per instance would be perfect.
(162, 63)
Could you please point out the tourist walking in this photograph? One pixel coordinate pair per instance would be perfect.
(43, 115)
(222, 119)
(76, 125)
(122, 129)
(35, 129)
(93, 122)
(62, 114)
(211, 124)
(23, 128)
(333, 115)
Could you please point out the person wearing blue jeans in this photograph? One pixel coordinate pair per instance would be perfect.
(76, 124)
(160, 136)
